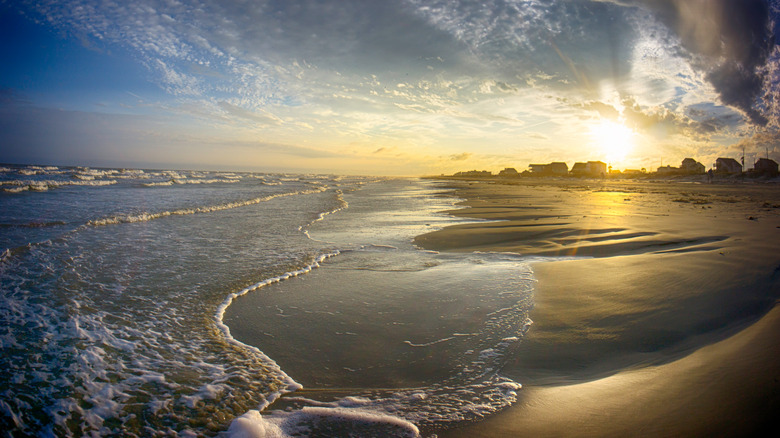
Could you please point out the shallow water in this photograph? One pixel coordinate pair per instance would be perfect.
(114, 285)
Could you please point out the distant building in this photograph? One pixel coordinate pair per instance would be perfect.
(633, 172)
(668, 170)
(537, 169)
(765, 166)
(559, 168)
(591, 168)
(475, 173)
(692, 167)
(579, 169)
(727, 165)
(552, 169)
(509, 172)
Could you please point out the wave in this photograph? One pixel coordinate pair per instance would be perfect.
(475, 391)
(322, 421)
(342, 205)
(143, 217)
(34, 224)
(184, 180)
(41, 186)
(158, 184)
(292, 385)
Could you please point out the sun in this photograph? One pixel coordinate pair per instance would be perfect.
(613, 139)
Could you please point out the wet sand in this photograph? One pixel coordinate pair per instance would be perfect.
(665, 322)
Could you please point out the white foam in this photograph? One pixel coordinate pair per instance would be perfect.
(158, 184)
(280, 424)
(39, 186)
(428, 344)
(143, 217)
(343, 204)
(292, 385)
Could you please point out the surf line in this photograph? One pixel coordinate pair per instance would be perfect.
(292, 385)
(9, 253)
(143, 217)
(343, 204)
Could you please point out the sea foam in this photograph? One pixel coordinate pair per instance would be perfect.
(147, 216)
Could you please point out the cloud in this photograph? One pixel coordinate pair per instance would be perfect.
(260, 117)
(732, 40)
(461, 156)
(761, 142)
(583, 41)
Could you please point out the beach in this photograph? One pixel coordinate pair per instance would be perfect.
(656, 315)
(143, 302)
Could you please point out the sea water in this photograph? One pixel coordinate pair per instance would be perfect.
(162, 302)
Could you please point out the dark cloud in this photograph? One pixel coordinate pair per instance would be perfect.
(731, 39)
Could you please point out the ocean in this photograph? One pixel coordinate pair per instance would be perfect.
(159, 303)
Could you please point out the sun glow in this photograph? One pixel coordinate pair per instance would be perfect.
(613, 139)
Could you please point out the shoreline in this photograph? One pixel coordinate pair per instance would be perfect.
(667, 326)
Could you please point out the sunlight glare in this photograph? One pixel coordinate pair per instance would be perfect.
(613, 139)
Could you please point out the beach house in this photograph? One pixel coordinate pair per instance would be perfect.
(591, 168)
(552, 169)
(727, 165)
(691, 167)
(765, 166)
(668, 170)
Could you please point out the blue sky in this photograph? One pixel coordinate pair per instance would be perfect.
(401, 87)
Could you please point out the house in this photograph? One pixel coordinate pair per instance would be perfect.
(509, 172)
(765, 166)
(475, 173)
(552, 169)
(668, 170)
(538, 169)
(727, 165)
(579, 169)
(692, 167)
(559, 168)
(591, 168)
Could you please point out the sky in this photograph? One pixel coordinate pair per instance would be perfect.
(390, 87)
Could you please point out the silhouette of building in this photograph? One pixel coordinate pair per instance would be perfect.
(559, 168)
(765, 166)
(591, 168)
(509, 172)
(475, 173)
(691, 166)
(633, 172)
(668, 170)
(727, 165)
(552, 169)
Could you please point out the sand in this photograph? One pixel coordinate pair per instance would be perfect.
(656, 315)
